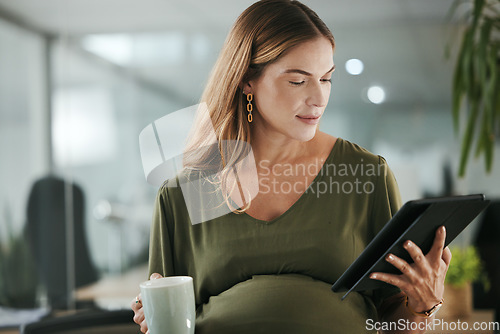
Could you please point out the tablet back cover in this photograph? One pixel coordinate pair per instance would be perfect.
(417, 221)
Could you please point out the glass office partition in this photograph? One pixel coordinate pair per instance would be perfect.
(24, 154)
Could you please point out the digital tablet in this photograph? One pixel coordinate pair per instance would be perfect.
(416, 221)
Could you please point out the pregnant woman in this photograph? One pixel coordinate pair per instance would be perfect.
(268, 265)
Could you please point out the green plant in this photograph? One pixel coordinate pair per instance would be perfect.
(465, 266)
(476, 81)
(18, 279)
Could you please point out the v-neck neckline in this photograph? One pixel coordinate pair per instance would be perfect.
(302, 196)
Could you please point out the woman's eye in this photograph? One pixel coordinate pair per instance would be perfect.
(296, 83)
(327, 80)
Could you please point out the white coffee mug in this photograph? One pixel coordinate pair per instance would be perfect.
(169, 305)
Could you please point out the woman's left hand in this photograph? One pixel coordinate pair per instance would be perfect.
(423, 280)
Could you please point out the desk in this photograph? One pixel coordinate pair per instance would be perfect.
(110, 293)
(84, 322)
(114, 292)
(9, 331)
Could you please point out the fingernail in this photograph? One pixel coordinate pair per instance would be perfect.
(373, 275)
(408, 243)
(443, 229)
(389, 257)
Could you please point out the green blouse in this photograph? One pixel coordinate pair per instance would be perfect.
(255, 276)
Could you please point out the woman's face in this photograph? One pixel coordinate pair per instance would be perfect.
(291, 94)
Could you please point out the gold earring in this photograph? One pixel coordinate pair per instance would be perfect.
(249, 107)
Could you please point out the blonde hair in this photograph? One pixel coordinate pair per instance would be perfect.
(260, 35)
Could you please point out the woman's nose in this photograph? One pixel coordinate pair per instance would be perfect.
(318, 95)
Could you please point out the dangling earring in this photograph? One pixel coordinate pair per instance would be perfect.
(249, 107)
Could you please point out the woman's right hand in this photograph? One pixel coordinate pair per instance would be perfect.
(139, 317)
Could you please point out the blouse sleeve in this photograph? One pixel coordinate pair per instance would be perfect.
(386, 203)
(161, 238)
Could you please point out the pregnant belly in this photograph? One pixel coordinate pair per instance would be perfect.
(283, 304)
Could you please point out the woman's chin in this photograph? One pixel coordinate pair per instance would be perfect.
(305, 135)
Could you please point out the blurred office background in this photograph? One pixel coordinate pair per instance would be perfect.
(80, 79)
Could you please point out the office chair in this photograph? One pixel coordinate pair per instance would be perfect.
(46, 227)
(89, 322)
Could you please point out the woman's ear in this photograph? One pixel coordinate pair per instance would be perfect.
(246, 87)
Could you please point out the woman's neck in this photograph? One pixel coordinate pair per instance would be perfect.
(275, 147)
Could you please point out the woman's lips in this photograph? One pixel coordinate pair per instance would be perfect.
(309, 119)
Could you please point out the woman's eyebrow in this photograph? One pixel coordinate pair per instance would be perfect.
(295, 70)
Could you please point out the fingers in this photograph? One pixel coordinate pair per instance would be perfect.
(155, 276)
(421, 281)
(436, 251)
(401, 281)
(144, 327)
(139, 317)
(401, 265)
(446, 256)
(136, 303)
(409, 274)
(395, 280)
(138, 310)
(415, 253)
(136, 306)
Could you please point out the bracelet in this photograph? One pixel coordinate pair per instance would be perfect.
(425, 314)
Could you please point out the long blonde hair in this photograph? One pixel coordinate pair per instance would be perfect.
(260, 35)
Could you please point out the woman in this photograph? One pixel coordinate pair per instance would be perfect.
(268, 267)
